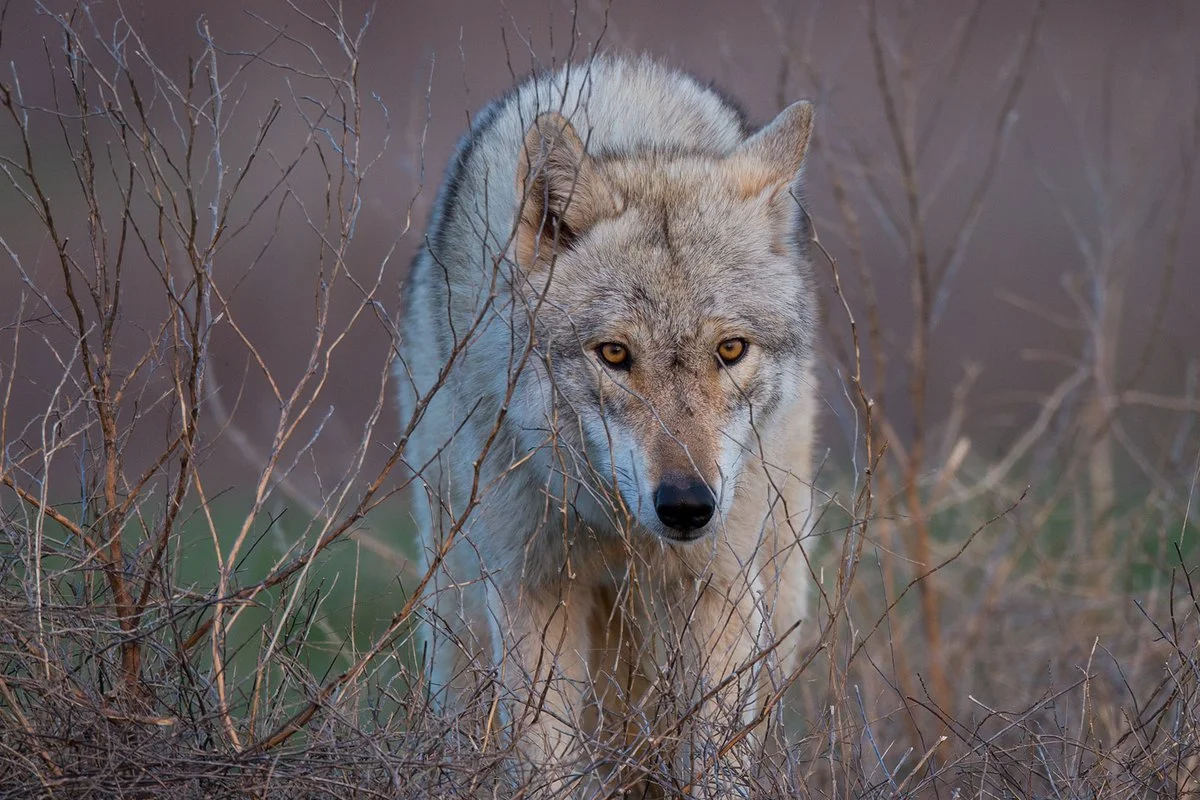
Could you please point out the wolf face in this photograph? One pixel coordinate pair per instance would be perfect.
(658, 363)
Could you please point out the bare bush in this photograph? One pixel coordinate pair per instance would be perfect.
(155, 639)
(120, 671)
(977, 539)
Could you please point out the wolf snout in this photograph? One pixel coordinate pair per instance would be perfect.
(684, 504)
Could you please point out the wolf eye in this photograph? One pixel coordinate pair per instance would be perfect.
(614, 354)
(731, 351)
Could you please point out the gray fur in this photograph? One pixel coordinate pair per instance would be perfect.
(663, 225)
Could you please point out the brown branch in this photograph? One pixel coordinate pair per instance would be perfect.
(51, 512)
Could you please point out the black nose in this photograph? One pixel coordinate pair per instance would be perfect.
(684, 504)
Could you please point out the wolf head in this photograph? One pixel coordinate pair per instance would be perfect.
(668, 297)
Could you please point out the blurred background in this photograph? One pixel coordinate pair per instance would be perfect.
(1081, 173)
(222, 200)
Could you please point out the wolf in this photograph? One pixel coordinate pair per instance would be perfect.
(607, 386)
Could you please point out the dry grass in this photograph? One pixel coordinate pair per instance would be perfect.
(1023, 624)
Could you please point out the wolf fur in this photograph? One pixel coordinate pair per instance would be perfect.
(561, 485)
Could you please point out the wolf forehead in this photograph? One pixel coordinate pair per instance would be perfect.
(644, 308)
(679, 236)
(681, 269)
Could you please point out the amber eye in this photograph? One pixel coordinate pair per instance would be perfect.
(614, 354)
(731, 351)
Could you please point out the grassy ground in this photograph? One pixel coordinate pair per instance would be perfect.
(1022, 624)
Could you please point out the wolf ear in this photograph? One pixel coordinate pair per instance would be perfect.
(771, 159)
(768, 166)
(560, 191)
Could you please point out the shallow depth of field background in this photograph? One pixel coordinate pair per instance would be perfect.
(1048, 153)
(1096, 153)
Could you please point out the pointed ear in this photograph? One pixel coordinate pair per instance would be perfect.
(771, 159)
(560, 191)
